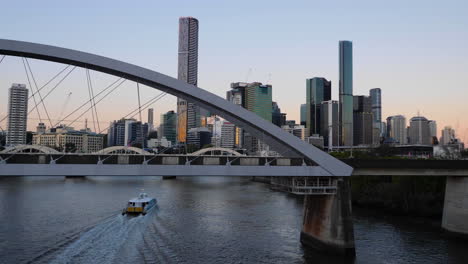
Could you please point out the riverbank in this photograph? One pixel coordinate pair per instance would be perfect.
(400, 195)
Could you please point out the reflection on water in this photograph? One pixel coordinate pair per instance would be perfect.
(199, 220)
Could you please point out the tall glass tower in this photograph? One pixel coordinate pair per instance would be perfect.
(318, 90)
(346, 92)
(188, 113)
(376, 104)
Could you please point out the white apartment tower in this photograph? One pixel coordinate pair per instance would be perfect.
(17, 114)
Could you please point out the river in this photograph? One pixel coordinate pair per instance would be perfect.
(198, 220)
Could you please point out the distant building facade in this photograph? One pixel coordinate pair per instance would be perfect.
(17, 114)
(60, 138)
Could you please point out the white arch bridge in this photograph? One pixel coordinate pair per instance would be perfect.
(275, 137)
(323, 171)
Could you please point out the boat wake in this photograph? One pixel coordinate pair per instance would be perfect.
(107, 242)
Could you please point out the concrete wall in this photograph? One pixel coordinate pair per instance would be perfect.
(328, 224)
(455, 216)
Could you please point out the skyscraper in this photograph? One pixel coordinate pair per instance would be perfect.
(151, 119)
(188, 113)
(346, 92)
(419, 131)
(318, 90)
(396, 129)
(17, 114)
(303, 114)
(362, 120)
(376, 104)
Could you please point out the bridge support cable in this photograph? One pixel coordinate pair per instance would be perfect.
(139, 113)
(93, 103)
(3, 57)
(91, 107)
(38, 92)
(90, 100)
(86, 102)
(56, 85)
(32, 91)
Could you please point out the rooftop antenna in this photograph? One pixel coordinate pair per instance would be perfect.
(249, 72)
(269, 78)
(420, 130)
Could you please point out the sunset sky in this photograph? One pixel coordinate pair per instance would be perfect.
(415, 51)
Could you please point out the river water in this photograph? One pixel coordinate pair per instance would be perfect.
(198, 220)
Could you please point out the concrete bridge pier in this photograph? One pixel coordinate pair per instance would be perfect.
(455, 215)
(328, 224)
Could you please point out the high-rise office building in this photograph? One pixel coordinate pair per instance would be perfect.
(330, 126)
(376, 104)
(188, 113)
(362, 120)
(419, 131)
(17, 114)
(116, 133)
(396, 129)
(168, 126)
(304, 115)
(151, 119)
(448, 136)
(318, 90)
(256, 98)
(127, 132)
(228, 135)
(346, 92)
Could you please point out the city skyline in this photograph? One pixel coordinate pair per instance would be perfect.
(410, 77)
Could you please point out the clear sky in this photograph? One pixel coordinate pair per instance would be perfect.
(415, 51)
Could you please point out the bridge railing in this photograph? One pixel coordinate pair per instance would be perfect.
(73, 158)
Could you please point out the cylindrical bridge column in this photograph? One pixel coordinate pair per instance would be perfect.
(455, 216)
(328, 224)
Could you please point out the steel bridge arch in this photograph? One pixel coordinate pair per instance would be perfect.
(123, 149)
(22, 148)
(285, 143)
(205, 150)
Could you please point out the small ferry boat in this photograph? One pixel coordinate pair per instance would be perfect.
(139, 205)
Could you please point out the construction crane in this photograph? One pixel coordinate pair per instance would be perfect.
(64, 105)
